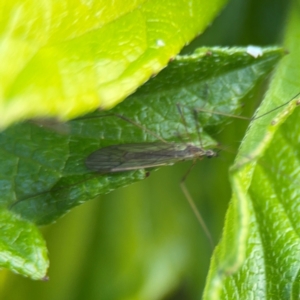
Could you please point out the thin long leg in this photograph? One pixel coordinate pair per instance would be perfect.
(274, 109)
(194, 207)
(245, 118)
(198, 127)
(129, 121)
(183, 121)
(222, 114)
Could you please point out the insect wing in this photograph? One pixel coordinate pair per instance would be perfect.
(126, 157)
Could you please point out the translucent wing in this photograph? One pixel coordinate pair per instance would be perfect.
(126, 157)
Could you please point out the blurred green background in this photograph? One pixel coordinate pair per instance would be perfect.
(143, 241)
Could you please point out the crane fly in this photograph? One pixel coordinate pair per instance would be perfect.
(134, 156)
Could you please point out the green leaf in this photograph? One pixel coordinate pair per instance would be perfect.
(23, 249)
(259, 251)
(44, 169)
(63, 58)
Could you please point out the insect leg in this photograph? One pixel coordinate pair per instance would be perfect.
(127, 120)
(183, 120)
(194, 207)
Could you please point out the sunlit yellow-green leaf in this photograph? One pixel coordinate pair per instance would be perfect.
(64, 58)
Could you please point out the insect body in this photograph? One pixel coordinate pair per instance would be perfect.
(118, 158)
